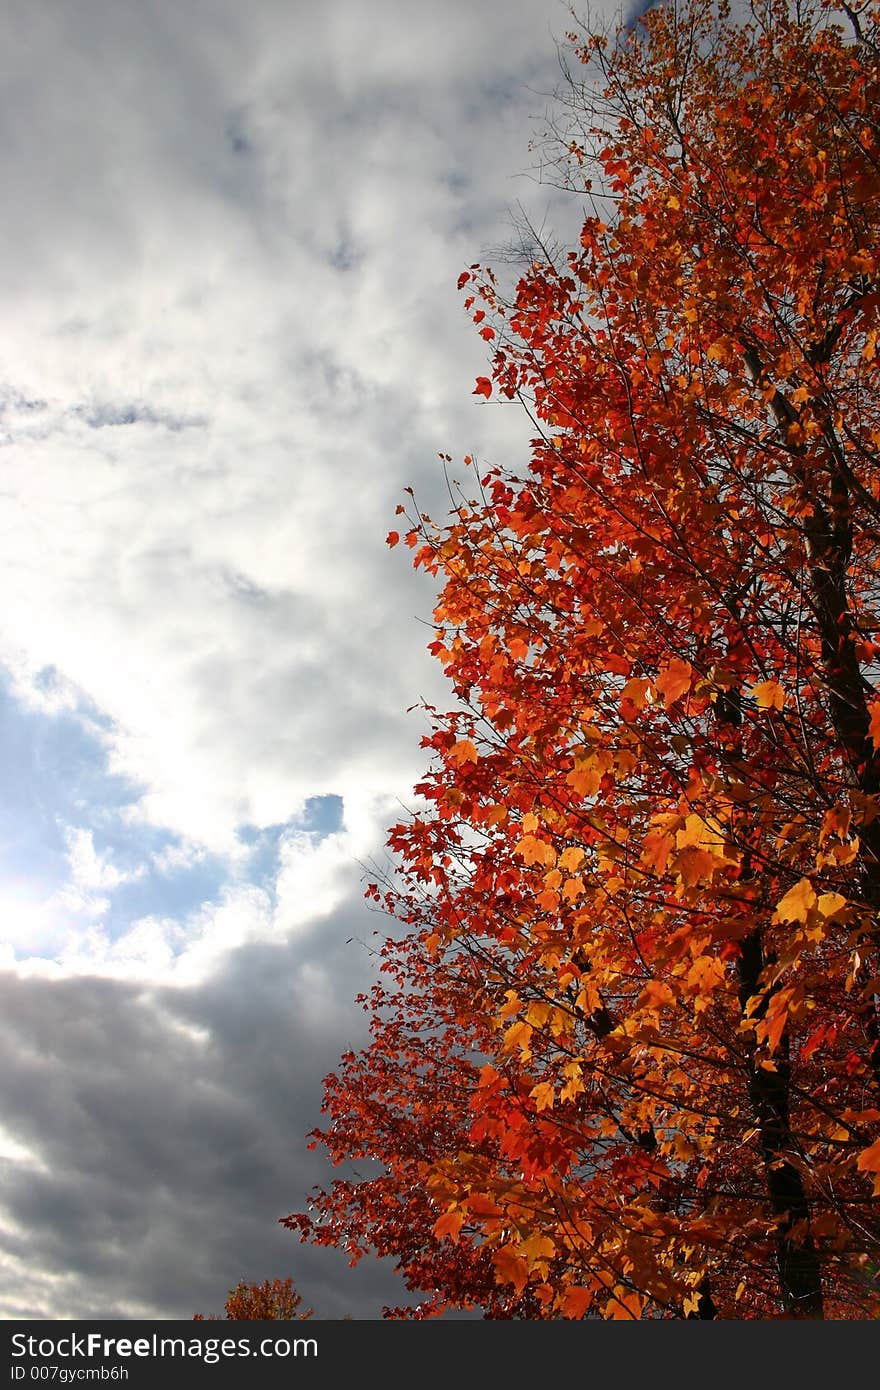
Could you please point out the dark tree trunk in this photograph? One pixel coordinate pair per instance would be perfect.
(797, 1259)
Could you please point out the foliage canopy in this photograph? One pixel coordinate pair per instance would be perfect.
(625, 1058)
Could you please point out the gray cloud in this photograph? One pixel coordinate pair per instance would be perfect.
(167, 1135)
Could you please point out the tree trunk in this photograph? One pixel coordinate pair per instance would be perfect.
(798, 1263)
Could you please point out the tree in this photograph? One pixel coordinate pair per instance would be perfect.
(275, 1301)
(625, 1060)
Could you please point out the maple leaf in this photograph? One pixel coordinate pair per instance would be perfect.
(535, 851)
(543, 1095)
(483, 387)
(449, 1224)
(537, 1250)
(798, 902)
(656, 995)
(769, 695)
(518, 1035)
(571, 858)
(624, 1304)
(674, 680)
(830, 904)
(869, 1159)
(575, 1301)
(464, 751)
(511, 1267)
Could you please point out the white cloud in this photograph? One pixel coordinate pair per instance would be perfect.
(89, 869)
(222, 418)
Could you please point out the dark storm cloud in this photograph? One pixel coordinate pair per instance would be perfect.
(167, 1129)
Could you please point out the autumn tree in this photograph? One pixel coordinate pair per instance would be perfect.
(625, 1060)
(275, 1300)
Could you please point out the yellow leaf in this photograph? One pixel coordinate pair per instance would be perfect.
(831, 903)
(537, 1250)
(702, 834)
(511, 1004)
(538, 1013)
(518, 1035)
(692, 832)
(797, 903)
(769, 695)
(543, 1095)
(574, 1083)
(571, 859)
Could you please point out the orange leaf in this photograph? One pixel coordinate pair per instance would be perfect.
(674, 680)
(449, 1224)
(510, 1268)
(535, 851)
(537, 1250)
(463, 752)
(869, 1159)
(623, 1305)
(655, 995)
(636, 692)
(575, 1301)
(571, 859)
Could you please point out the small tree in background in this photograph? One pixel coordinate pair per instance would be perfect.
(274, 1300)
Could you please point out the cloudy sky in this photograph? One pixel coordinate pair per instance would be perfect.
(231, 337)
